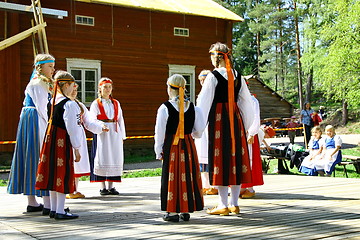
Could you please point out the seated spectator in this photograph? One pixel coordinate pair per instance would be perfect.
(315, 148)
(292, 133)
(330, 154)
(316, 118)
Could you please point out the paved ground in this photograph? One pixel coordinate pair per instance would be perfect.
(286, 207)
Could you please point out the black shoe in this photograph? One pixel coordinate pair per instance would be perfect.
(35, 209)
(113, 192)
(169, 218)
(46, 211)
(104, 192)
(65, 216)
(52, 213)
(185, 216)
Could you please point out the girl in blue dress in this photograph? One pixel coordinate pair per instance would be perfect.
(30, 135)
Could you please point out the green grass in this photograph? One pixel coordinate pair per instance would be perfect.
(134, 174)
(352, 151)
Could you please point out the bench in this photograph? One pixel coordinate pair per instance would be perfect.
(267, 158)
(349, 160)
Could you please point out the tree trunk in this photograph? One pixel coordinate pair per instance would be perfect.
(344, 112)
(298, 54)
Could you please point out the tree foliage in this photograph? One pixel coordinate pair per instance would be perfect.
(329, 39)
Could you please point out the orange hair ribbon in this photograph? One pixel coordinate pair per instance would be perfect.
(180, 129)
(231, 96)
(105, 81)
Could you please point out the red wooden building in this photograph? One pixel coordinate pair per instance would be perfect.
(138, 44)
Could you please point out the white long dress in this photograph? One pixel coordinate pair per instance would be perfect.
(82, 168)
(109, 157)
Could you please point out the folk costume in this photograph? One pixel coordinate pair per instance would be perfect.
(56, 166)
(107, 154)
(29, 137)
(229, 162)
(327, 162)
(308, 164)
(85, 119)
(181, 179)
(254, 150)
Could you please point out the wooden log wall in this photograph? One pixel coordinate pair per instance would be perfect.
(135, 47)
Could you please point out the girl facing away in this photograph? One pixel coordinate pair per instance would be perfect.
(315, 148)
(107, 160)
(331, 153)
(177, 122)
(56, 167)
(87, 121)
(30, 135)
(228, 108)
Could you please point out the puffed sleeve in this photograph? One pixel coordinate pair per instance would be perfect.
(40, 98)
(245, 104)
(254, 128)
(90, 122)
(121, 122)
(94, 109)
(206, 95)
(160, 128)
(338, 141)
(199, 124)
(72, 123)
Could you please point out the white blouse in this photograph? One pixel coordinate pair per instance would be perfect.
(244, 100)
(73, 126)
(160, 127)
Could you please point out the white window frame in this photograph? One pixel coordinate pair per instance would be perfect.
(85, 64)
(181, 32)
(185, 70)
(85, 24)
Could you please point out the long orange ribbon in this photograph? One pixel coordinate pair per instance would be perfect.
(180, 129)
(231, 97)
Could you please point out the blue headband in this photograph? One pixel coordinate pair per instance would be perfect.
(45, 61)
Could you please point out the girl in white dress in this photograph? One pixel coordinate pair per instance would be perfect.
(202, 150)
(107, 159)
(331, 153)
(315, 147)
(86, 120)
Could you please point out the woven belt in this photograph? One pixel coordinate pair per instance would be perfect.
(108, 120)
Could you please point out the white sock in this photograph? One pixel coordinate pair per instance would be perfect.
(103, 185)
(53, 201)
(235, 192)
(205, 180)
(223, 196)
(46, 200)
(32, 201)
(251, 189)
(60, 202)
(110, 184)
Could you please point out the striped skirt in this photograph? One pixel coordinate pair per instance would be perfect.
(225, 168)
(26, 155)
(181, 179)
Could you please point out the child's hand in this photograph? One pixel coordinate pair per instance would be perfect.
(105, 128)
(77, 155)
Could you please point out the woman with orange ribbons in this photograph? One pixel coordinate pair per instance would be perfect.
(226, 103)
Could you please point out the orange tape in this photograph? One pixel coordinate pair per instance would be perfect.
(88, 139)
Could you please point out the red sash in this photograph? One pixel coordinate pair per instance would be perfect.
(102, 115)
